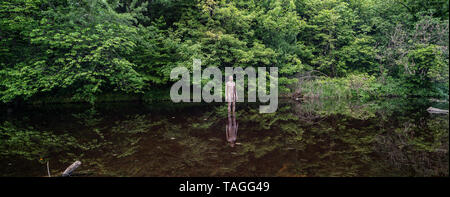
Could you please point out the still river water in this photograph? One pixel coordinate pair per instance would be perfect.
(394, 137)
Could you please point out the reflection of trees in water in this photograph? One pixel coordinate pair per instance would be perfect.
(315, 110)
(421, 149)
(177, 148)
(271, 144)
(95, 142)
(21, 144)
(400, 131)
(306, 111)
(345, 140)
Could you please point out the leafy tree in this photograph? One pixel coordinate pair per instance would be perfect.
(81, 48)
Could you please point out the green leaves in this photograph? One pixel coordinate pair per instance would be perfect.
(80, 49)
(86, 53)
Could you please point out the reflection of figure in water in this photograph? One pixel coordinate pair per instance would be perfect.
(230, 94)
(231, 130)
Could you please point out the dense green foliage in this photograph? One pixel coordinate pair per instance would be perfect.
(81, 49)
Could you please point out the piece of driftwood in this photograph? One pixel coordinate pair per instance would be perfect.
(48, 170)
(437, 111)
(71, 168)
(438, 101)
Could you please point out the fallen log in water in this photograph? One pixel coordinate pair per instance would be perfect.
(71, 168)
(433, 110)
(438, 101)
(48, 170)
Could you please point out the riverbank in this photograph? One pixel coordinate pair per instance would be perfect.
(366, 87)
(362, 87)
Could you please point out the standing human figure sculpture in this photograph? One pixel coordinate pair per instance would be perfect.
(230, 98)
(230, 94)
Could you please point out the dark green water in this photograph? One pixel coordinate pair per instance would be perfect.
(394, 137)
